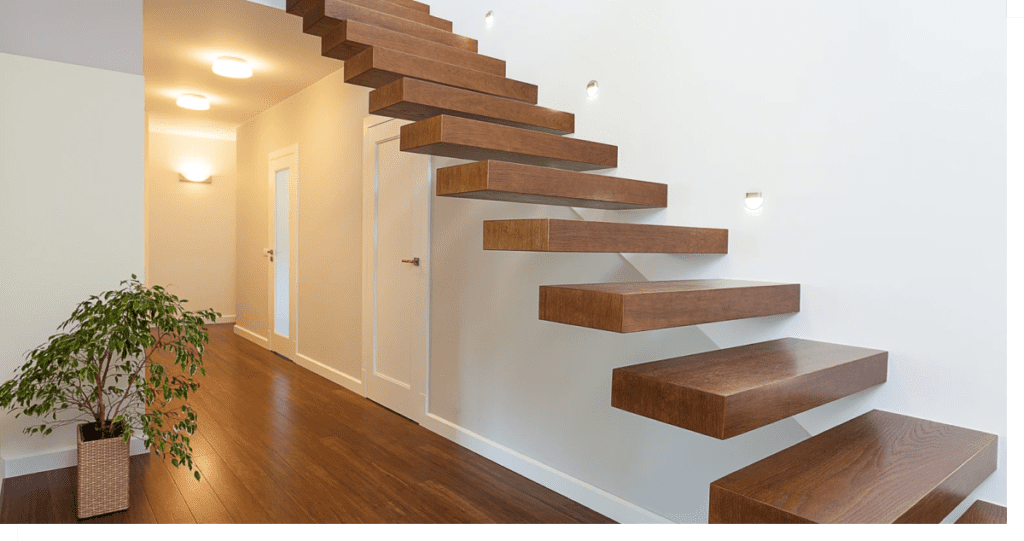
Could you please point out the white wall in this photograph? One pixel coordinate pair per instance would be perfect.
(71, 213)
(191, 236)
(876, 131)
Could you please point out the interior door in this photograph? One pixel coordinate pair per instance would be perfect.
(283, 254)
(396, 367)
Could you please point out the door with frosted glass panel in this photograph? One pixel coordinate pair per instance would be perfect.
(283, 254)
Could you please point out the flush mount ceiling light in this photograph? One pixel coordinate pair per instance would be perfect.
(195, 102)
(592, 89)
(230, 66)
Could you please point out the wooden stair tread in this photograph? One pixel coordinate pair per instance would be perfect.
(412, 4)
(548, 235)
(301, 7)
(982, 512)
(466, 139)
(351, 37)
(414, 99)
(728, 392)
(877, 468)
(644, 306)
(322, 16)
(376, 67)
(518, 183)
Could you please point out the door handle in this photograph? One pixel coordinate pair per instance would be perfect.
(414, 261)
(269, 253)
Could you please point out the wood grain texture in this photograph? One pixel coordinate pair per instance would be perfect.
(302, 7)
(728, 392)
(982, 512)
(878, 468)
(324, 15)
(547, 235)
(412, 4)
(309, 451)
(376, 67)
(414, 99)
(350, 38)
(645, 306)
(518, 183)
(455, 137)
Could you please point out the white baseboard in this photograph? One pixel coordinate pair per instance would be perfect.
(226, 319)
(341, 378)
(588, 495)
(252, 337)
(64, 458)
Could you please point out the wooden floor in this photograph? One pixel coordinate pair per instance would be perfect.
(278, 443)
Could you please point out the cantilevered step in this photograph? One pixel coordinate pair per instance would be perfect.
(731, 391)
(466, 139)
(350, 38)
(322, 16)
(413, 99)
(879, 468)
(301, 7)
(376, 67)
(983, 513)
(645, 306)
(546, 235)
(412, 4)
(517, 183)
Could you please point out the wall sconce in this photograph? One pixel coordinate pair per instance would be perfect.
(196, 180)
(195, 172)
(754, 200)
(489, 19)
(593, 89)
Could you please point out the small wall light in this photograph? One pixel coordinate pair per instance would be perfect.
(593, 89)
(194, 102)
(754, 200)
(195, 173)
(230, 66)
(489, 19)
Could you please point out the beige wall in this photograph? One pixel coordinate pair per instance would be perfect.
(326, 122)
(191, 226)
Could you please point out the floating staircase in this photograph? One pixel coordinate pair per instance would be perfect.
(983, 513)
(880, 467)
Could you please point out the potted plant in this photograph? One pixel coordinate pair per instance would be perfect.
(102, 366)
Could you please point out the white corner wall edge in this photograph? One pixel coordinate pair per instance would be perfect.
(64, 458)
(320, 369)
(583, 493)
(252, 337)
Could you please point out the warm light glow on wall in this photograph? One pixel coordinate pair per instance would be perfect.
(233, 67)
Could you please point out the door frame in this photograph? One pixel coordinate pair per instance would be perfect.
(421, 372)
(292, 154)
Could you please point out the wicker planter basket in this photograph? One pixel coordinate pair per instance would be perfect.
(102, 476)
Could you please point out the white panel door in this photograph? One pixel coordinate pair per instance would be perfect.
(283, 254)
(396, 371)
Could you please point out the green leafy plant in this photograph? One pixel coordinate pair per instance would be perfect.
(104, 366)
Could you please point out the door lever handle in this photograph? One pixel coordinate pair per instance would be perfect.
(414, 261)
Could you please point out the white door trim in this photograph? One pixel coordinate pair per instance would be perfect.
(291, 153)
(369, 262)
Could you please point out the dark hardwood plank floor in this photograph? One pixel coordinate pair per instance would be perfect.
(277, 443)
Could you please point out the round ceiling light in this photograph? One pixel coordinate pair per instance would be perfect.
(194, 102)
(235, 68)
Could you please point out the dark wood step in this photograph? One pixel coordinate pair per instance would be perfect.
(376, 67)
(413, 99)
(983, 513)
(546, 235)
(518, 183)
(353, 37)
(879, 468)
(732, 391)
(645, 306)
(302, 7)
(455, 137)
(324, 15)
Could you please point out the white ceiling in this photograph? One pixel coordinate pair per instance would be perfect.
(182, 38)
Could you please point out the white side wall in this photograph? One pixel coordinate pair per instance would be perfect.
(71, 211)
(876, 131)
(191, 237)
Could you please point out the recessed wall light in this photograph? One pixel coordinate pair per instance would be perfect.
(194, 172)
(593, 89)
(489, 19)
(230, 66)
(195, 102)
(754, 200)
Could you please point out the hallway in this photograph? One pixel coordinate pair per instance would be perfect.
(278, 443)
